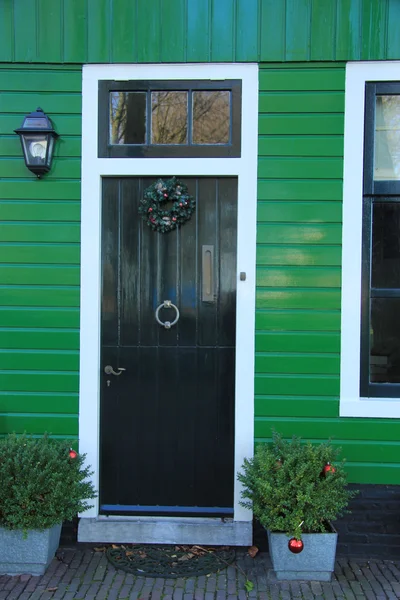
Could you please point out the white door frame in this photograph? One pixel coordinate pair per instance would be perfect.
(93, 168)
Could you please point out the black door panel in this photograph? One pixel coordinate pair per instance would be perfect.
(167, 422)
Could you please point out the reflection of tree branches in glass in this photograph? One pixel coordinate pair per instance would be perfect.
(387, 134)
(127, 117)
(117, 117)
(211, 117)
(169, 117)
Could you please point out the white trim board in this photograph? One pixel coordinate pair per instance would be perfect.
(351, 404)
(93, 168)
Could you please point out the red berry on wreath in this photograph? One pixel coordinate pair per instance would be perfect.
(174, 218)
(72, 453)
(165, 195)
(150, 210)
(180, 204)
(295, 546)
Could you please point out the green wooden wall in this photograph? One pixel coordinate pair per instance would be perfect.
(298, 264)
(96, 31)
(301, 128)
(39, 257)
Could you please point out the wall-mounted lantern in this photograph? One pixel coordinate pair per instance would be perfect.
(37, 140)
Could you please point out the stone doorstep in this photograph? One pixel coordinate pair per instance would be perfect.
(182, 531)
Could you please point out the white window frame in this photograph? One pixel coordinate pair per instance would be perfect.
(93, 169)
(351, 404)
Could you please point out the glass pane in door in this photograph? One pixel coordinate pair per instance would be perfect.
(127, 118)
(169, 117)
(211, 117)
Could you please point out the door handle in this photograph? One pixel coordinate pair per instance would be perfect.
(108, 370)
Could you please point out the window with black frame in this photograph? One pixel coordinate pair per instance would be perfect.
(380, 310)
(169, 119)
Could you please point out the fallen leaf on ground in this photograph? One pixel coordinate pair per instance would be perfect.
(99, 549)
(187, 556)
(252, 551)
(53, 589)
(201, 550)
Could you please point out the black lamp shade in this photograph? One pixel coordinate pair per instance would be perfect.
(37, 140)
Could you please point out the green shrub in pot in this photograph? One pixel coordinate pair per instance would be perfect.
(295, 491)
(295, 487)
(42, 483)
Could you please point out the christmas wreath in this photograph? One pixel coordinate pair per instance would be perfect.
(166, 204)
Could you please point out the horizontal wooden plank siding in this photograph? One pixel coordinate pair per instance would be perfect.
(134, 31)
(300, 171)
(40, 253)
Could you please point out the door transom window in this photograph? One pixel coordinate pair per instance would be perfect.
(169, 119)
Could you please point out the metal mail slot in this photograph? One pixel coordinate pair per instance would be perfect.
(207, 274)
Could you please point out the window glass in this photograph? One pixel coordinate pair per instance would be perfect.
(385, 270)
(380, 312)
(127, 117)
(169, 117)
(384, 340)
(211, 117)
(387, 138)
(165, 119)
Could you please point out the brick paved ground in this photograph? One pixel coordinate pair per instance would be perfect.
(80, 573)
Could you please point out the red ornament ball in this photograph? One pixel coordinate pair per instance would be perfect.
(180, 204)
(165, 195)
(72, 453)
(328, 467)
(174, 218)
(295, 546)
(150, 210)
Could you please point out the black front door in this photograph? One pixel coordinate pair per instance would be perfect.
(167, 421)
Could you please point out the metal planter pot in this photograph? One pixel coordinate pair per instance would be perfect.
(31, 554)
(315, 563)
